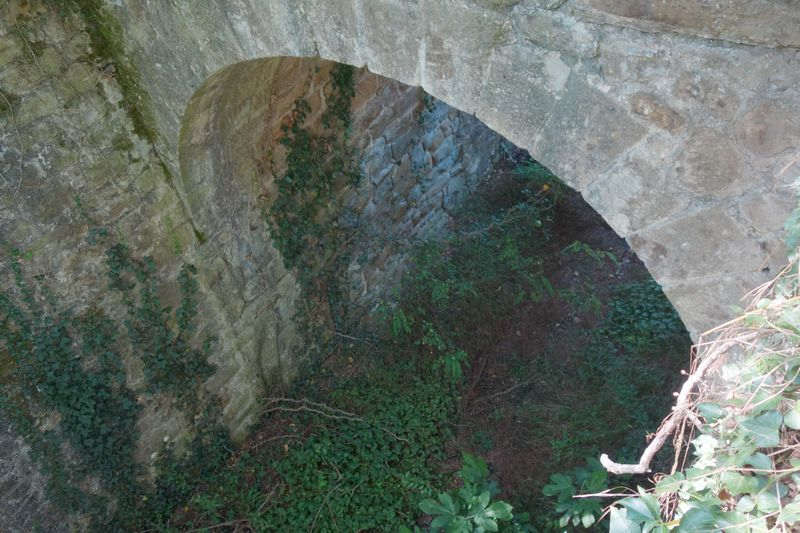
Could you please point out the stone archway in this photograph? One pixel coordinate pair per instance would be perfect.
(418, 159)
(672, 122)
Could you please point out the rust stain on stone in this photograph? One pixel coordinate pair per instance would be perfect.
(652, 109)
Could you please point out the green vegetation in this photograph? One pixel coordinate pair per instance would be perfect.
(171, 363)
(490, 268)
(84, 385)
(367, 438)
(330, 469)
(318, 164)
(8, 101)
(68, 366)
(743, 430)
(564, 486)
(471, 508)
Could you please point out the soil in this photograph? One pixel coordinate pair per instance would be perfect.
(508, 399)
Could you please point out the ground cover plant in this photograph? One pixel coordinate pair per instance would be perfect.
(516, 346)
(735, 425)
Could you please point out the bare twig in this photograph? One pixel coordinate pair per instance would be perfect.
(682, 405)
(351, 337)
(231, 523)
(322, 410)
(501, 393)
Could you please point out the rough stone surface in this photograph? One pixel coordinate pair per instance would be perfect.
(674, 119)
(595, 89)
(24, 505)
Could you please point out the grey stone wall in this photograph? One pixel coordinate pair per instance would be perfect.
(70, 155)
(672, 119)
(418, 161)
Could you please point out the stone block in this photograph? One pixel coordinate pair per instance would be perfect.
(712, 165)
(555, 31)
(749, 21)
(698, 245)
(769, 128)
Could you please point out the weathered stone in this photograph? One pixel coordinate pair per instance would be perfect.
(749, 21)
(769, 129)
(674, 136)
(695, 86)
(555, 31)
(653, 110)
(25, 506)
(675, 253)
(712, 165)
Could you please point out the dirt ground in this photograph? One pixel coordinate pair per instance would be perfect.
(509, 395)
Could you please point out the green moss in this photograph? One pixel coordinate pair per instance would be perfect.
(38, 47)
(105, 35)
(121, 143)
(8, 101)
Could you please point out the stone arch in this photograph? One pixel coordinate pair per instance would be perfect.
(418, 158)
(672, 123)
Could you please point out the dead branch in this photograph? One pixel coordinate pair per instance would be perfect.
(683, 404)
(322, 410)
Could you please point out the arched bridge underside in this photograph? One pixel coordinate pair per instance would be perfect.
(673, 120)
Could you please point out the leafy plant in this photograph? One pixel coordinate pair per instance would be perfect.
(744, 475)
(171, 362)
(471, 510)
(68, 366)
(577, 512)
(316, 165)
(582, 248)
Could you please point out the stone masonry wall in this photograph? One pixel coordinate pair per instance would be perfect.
(70, 158)
(673, 119)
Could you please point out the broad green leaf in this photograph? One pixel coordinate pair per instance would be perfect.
(767, 502)
(698, 479)
(620, 523)
(459, 524)
(441, 522)
(764, 400)
(737, 483)
(711, 411)
(671, 483)
(791, 318)
(792, 417)
(448, 503)
(559, 483)
(483, 499)
(638, 509)
(485, 522)
(736, 521)
(499, 510)
(745, 504)
(791, 513)
(652, 503)
(759, 461)
(431, 506)
(764, 429)
(696, 519)
(587, 519)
